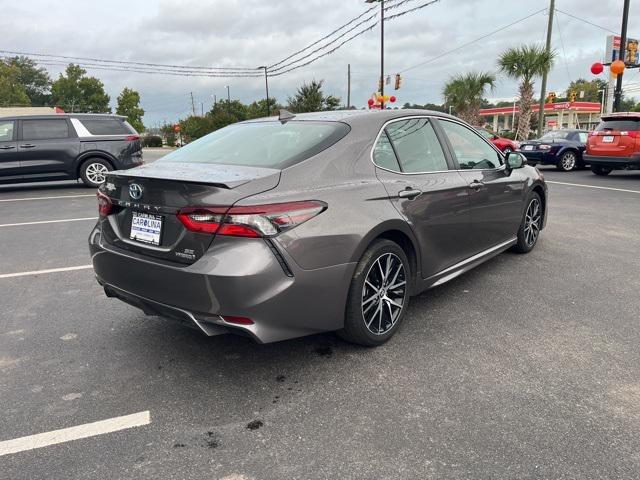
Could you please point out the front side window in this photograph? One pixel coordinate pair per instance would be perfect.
(6, 131)
(45, 129)
(471, 151)
(417, 146)
(261, 144)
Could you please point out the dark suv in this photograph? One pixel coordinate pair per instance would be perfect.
(66, 146)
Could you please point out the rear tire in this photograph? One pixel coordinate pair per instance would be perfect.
(93, 172)
(568, 161)
(529, 230)
(378, 295)
(599, 170)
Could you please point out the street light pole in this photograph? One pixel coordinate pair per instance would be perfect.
(381, 49)
(623, 47)
(266, 84)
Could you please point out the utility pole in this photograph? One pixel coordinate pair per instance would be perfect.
(266, 85)
(193, 105)
(381, 48)
(623, 50)
(348, 86)
(202, 109)
(228, 101)
(543, 89)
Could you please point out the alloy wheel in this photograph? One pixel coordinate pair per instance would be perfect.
(532, 221)
(96, 172)
(568, 161)
(384, 293)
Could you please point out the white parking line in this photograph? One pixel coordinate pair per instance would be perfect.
(50, 270)
(45, 198)
(42, 222)
(594, 186)
(74, 433)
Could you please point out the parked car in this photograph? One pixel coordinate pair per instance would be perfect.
(69, 146)
(503, 144)
(278, 228)
(562, 148)
(615, 144)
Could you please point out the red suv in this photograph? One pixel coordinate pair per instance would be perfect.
(614, 144)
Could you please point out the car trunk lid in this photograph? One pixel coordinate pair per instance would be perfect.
(616, 136)
(149, 198)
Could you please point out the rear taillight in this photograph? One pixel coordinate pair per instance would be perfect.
(104, 204)
(132, 138)
(250, 221)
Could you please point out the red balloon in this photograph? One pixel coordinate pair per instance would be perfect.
(392, 99)
(597, 68)
(371, 102)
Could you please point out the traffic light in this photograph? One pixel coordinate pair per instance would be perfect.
(551, 97)
(572, 96)
(398, 82)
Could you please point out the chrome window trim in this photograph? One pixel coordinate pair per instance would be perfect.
(429, 117)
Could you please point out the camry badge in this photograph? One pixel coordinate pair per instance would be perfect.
(135, 191)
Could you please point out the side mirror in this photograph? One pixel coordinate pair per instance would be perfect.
(515, 160)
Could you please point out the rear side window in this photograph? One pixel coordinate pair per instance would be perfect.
(383, 154)
(417, 146)
(6, 131)
(106, 126)
(45, 129)
(261, 144)
(622, 125)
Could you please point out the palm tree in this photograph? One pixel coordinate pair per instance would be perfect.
(464, 92)
(524, 63)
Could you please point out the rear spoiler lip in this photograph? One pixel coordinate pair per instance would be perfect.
(179, 172)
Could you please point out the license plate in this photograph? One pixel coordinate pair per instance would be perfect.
(146, 228)
(607, 139)
(527, 147)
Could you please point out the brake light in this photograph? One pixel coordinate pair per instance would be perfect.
(249, 221)
(132, 138)
(237, 320)
(104, 204)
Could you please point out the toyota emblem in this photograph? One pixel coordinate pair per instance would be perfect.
(135, 191)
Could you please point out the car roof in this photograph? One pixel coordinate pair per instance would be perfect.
(357, 116)
(618, 115)
(62, 115)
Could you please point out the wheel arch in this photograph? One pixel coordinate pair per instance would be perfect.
(400, 233)
(539, 189)
(82, 159)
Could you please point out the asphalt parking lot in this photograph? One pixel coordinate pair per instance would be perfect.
(526, 367)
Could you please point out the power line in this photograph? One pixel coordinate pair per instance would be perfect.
(588, 22)
(279, 70)
(564, 52)
(66, 57)
(444, 54)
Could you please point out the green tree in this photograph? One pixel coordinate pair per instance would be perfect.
(129, 106)
(590, 89)
(235, 108)
(12, 92)
(465, 92)
(525, 63)
(34, 79)
(311, 98)
(427, 106)
(259, 109)
(75, 92)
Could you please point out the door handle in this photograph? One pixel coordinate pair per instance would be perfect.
(476, 185)
(27, 145)
(409, 193)
(7, 147)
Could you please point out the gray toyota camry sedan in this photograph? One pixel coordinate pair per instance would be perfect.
(282, 227)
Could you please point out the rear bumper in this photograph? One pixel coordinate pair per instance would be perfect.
(237, 276)
(614, 162)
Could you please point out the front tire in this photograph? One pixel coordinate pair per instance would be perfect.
(568, 161)
(93, 172)
(599, 170)
(529, 230)
(378, 295)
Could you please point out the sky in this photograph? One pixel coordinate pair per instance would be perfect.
(251, 33)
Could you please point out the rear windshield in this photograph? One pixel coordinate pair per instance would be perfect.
(555, 134)
(262, 144)
(107, 126)
(622, 125)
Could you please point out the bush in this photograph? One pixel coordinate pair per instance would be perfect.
(152, 141)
